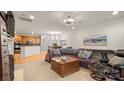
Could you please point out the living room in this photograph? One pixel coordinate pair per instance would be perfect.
(66, 46)
(81, 28)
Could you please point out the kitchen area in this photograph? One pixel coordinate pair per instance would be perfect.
(32, 47)
(27, 45)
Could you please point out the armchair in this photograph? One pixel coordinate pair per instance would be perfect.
(118, 62)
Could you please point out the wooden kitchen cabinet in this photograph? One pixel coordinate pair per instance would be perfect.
(18, 38)
(23, 39)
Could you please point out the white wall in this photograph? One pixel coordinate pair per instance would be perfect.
(67, 36)
(113, 28)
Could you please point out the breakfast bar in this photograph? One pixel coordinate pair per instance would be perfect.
(30, 50)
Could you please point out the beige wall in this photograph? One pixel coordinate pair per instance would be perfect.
(113, 28)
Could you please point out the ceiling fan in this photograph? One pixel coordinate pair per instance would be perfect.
(71, 20)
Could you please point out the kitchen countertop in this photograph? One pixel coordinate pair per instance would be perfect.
(30, 45)
(30, 50)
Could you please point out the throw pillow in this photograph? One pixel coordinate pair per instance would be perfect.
(81, 54)
(56, 52)
(87, 54)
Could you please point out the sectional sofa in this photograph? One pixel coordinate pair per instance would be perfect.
(84, 62)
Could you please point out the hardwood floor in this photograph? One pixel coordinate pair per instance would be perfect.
(35, 58)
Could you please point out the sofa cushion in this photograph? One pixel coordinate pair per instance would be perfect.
(75, 57)
(90, 60)
(88, 54)
(69, 51)
(56, 52)
(85, 60)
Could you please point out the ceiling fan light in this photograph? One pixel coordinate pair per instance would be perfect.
(73, 27)
(70, 20)
(65, 21)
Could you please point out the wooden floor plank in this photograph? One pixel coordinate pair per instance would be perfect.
(35, 58)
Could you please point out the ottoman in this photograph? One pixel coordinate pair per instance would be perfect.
(97, 71)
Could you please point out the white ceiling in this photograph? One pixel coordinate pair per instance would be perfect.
(48, 21)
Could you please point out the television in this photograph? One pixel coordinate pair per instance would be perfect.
(10, 23)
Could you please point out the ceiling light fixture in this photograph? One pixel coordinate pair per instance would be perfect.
(69, 20)
(73, 27)
(31, 17)
(115, 12)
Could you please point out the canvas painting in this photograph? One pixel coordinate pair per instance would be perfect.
(63, 42)
(99, 40)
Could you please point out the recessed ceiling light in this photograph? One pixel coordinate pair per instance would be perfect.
(115, 13)
(73, 27)
(31, 17)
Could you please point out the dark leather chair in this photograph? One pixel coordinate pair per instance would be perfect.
(120, 53)
(119, 64)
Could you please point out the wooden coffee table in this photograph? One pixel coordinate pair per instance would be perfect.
(64, 67)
